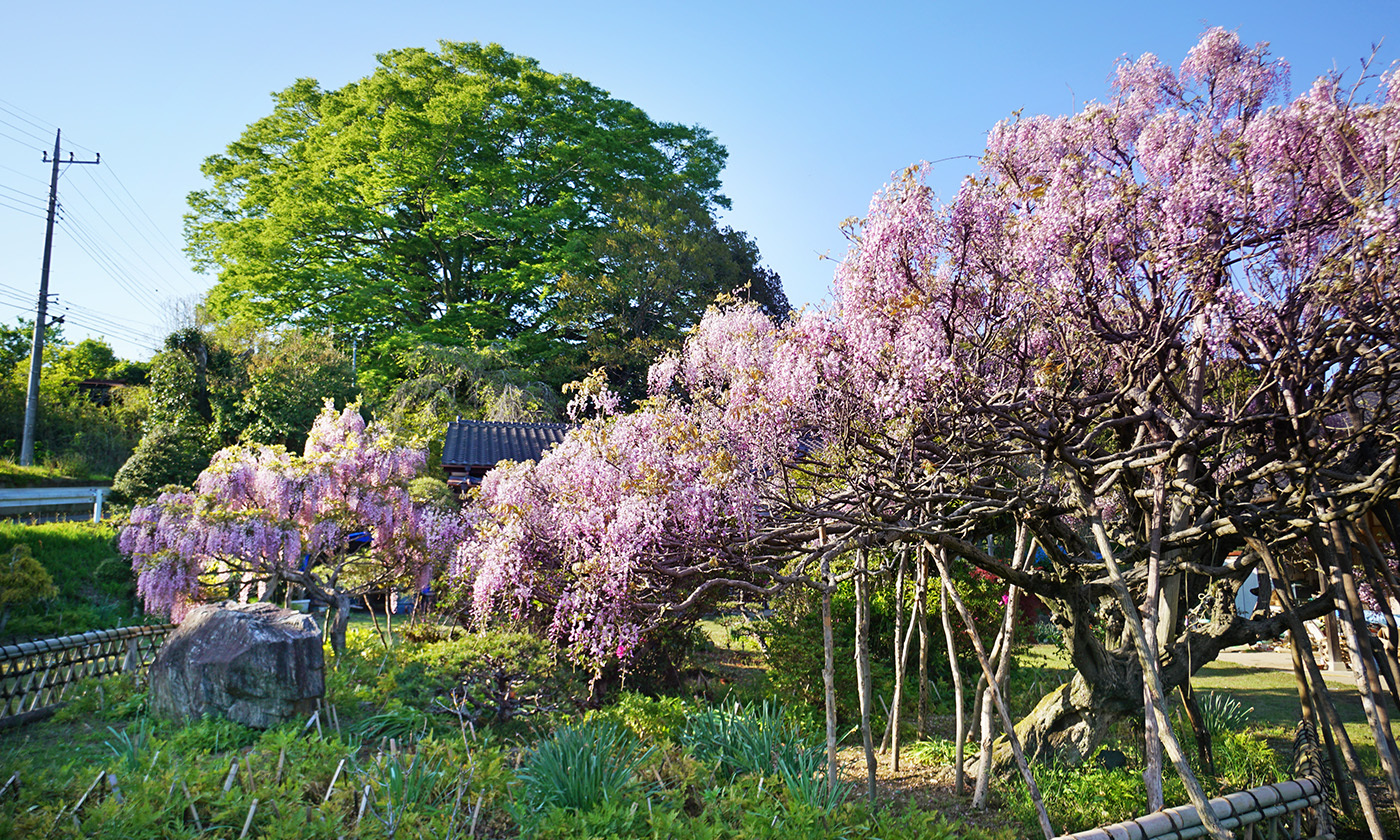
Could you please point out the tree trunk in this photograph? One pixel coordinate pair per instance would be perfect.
(1205, 747)
(982, 660)
(1151, 739)
(893, 721)
(901, 670)
(1001, 652)
(339, 622)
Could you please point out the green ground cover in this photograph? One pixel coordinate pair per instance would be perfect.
(95, 586)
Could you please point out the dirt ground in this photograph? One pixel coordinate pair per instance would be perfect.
(928, 787)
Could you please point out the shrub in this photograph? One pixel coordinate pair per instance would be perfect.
(22, 579)
(485, 677)
(95, 586)
(169, 453)
(658, 719)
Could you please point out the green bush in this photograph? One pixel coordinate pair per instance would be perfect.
(22, 579)
(169, 453)
(651, 719)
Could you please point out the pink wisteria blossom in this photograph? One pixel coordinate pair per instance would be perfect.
(260, 511)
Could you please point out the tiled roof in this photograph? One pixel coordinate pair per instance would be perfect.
(482, 443)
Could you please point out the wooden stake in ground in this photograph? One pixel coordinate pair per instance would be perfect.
(1020, 755)
(248, 823)
(921, 606)
(960, 736)
(863, 683)
(828, 665)
(334, 776)
(194, 814)
(1319, 687)
(1151, 674)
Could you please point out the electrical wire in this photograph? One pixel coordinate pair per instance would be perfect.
(181, 270)
(20, 197)
(20, 209)
(24, 116)
(21, 129)
(83, 238)
(71, 314)
(137, 276)
(137, 228)
(30, 176)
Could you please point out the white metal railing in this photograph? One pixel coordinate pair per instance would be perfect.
(29, 499)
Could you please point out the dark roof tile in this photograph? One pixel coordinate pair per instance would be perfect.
(483, 443)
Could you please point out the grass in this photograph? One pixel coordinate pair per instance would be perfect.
(46, 475)
(95, 586)
(563, 777)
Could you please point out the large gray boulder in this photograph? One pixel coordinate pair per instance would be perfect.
(256, 664)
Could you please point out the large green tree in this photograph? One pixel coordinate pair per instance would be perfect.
(446, 197)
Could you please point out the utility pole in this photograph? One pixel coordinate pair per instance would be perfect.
(36, 352)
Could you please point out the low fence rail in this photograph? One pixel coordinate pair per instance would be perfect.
(1270, 811)
(21, 500)
(34, 675)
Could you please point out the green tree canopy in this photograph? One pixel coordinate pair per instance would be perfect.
(444, 198)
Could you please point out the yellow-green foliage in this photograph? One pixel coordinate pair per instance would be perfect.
(96, 588)
(22, 579)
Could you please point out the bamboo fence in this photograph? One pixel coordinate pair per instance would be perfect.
(34, 675)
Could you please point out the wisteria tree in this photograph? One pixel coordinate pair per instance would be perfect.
(1160, 334)
(262, 513)
(616, 533)
(1157, 337)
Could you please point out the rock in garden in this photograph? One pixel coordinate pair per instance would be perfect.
(256, 664)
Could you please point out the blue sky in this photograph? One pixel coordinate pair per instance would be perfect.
(818, 103)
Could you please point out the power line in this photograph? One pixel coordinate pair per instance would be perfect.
(22, 130)
(38, 122)
(122, 212)
(21, 114)
(20, 209)
(85, 242)
(181, 272)
(22, 174)
(115, 232)
(81, 316)
(26, 143)
(23, 197)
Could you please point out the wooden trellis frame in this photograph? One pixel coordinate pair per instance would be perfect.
(35, 675)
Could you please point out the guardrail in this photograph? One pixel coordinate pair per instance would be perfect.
(29, 499)
(34, 675)
(1277, 810)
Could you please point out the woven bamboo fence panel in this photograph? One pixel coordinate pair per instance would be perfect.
(36, 674)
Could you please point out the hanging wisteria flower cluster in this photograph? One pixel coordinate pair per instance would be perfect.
(259, 511)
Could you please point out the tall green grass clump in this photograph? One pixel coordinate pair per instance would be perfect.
(763, 740)
(579, 767)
